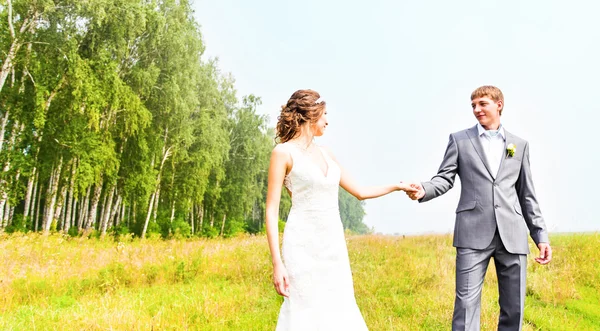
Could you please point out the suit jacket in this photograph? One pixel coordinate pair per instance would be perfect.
(507, 202)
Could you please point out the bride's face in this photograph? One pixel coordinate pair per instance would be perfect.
(318, 128)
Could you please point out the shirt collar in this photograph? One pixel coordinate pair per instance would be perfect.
(481, 130)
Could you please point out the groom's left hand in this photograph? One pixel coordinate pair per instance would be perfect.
(545, 253)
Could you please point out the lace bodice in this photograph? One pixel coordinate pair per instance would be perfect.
(312, 189)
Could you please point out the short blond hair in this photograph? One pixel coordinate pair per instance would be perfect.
(489, 91)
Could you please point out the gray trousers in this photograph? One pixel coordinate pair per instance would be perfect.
(471, 266)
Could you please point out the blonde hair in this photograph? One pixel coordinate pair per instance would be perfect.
(489, 91)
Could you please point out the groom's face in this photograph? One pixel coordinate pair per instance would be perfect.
(487, 112)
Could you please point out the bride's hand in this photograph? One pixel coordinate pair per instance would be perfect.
(281, 280)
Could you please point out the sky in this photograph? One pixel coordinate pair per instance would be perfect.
(397, 78)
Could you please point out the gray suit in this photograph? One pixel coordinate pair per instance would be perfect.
(493, 218)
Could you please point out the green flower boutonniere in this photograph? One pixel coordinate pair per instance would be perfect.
(511, 149)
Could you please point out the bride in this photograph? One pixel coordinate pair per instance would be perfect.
(314, 275)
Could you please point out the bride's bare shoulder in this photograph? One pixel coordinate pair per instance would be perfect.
(281, 148)
(281, 151)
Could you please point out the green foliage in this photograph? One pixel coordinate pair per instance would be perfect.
(281, 226)
(19, 224)
(120, 232)
(156, 228)
(352, 213)
(210, 232)
(53, 225)
(94, 234)
(117, 93)
(234, 227)
(181, 229)
(112, 277)
(73, 232)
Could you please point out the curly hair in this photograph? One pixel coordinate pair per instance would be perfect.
(302, 107)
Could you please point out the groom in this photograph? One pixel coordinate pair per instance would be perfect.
(496, 211)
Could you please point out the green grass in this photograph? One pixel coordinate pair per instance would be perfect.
(59, 283)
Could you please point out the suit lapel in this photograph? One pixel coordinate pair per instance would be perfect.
(507, 141)
(474, 137)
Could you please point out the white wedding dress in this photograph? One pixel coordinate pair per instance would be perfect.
(314, 252)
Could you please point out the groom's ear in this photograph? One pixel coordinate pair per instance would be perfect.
(500, 104)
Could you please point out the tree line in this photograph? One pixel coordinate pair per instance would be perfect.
(111, 122)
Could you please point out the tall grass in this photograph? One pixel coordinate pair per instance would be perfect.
(402, 283)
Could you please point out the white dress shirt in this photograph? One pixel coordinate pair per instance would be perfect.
(493, 147)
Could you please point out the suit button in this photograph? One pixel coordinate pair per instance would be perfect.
(496, 206)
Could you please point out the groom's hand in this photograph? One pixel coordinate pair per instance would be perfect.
(418, 193)
(545, 253)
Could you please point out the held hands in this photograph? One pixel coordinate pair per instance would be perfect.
(281, 280)
(545, 253)
(407, 187)
(415, 192)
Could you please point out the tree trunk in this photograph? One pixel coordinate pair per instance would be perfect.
(114, 215)
(91, 219)
(102, 207)
(174, 195)
(33, 200)
(73, 220)
(156, 202)
(172, 215)
(5, 215)
(192, 219)
(62, 218)
(223, 224)
(200, 216)
(107, 211)
(148, 215)
(116, 218)
(3, 128)
(30, 193)
(36, 219)
(4, 185)
(84, 209)
(51, 197)
(166, 155)
(122, 214)
(132, 218)
(71, 198)
(11, 210)
(173, 208)
(48, 200)
(11, 214)
(60, 203)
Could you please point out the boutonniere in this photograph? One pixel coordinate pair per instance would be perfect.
(511, 149)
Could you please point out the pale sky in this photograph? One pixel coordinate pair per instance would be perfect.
(397, 77)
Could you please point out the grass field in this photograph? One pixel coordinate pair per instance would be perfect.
(60, 283)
